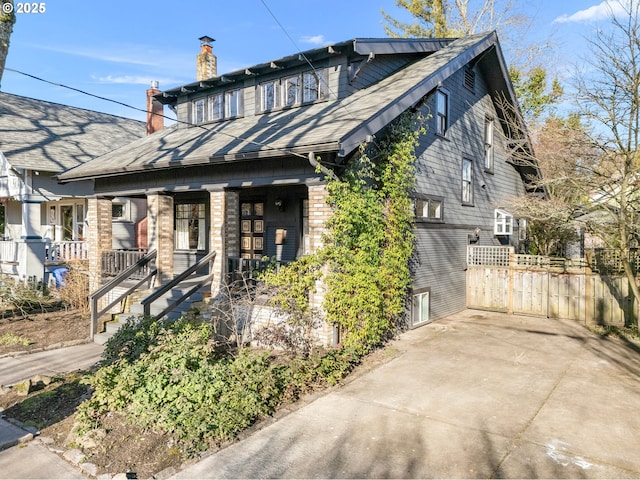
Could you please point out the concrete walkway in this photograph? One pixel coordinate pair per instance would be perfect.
(19, 459)
(478, 395)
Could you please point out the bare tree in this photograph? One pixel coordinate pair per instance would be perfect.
(7, 19)
(608, 96)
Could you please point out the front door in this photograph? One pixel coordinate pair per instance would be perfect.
(252, 229)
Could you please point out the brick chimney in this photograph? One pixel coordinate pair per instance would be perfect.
(155, 110)
(206, 61)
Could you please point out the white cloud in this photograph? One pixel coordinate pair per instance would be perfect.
(598, 12)
(314, 39)
(135, 80)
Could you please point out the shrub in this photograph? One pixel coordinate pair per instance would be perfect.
(172, 379)
(75, 291)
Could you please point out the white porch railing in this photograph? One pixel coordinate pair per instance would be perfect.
(66, 251)
(8, 251)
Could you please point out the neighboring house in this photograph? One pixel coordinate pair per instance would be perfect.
(44, 221)
(237, 173)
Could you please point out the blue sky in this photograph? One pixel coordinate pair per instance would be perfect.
(114, 49)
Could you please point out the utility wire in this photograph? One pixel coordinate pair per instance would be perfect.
(235, 137)
(304, 56)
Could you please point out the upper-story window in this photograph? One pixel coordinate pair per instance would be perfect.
(198, 110)
(216, 107)
(467, 181)
(233, 106)
(503, 223)
(442, 112)
(291, 91)
(488, 144)
(269, 96)
(314, 86)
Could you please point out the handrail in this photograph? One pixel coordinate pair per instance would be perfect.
(147, 301)
(121, 277)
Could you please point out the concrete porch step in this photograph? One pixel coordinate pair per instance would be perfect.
(157, 307)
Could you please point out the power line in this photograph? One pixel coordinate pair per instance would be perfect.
(304, 56)
(184, 122)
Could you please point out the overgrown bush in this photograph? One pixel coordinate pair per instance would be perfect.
(75, 291)
(26, 297)
(176, 382)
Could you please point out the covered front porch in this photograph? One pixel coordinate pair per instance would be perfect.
(248, 228)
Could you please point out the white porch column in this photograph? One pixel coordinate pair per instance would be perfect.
(31, 219)
(31, 247)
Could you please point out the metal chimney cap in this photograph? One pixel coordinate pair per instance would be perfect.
(155, 84)
(206, 40)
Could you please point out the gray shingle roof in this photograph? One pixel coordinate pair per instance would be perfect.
(321, 127)
(50, 137)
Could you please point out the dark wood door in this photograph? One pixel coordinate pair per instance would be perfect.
(252, 229)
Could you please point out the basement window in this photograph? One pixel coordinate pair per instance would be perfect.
(420, 307)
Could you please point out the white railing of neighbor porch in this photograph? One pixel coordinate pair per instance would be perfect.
(66, 251)
(8, 251)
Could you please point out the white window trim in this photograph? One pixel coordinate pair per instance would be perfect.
(197, 119)
(440, 128)
(285, 94)
(211, 100)
(489, 128)
(427, 202)
(263, 95)
(418, 307)
(239, 103)
(464, 181)
(503, 222)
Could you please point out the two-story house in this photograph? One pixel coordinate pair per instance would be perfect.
(237, 173)
(44, 221)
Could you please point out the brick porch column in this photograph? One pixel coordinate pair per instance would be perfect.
(224, 233)
(160, 233)
(99, 237)
(319, 213)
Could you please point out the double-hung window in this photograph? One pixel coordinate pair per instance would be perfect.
(269, 96)
(313, 86)
(467, 181)
(291, 91)
(488, 144)
(216, 107)
(198, 110)
(190, 226)
(442, 112)
(503, 223)
(233, 106)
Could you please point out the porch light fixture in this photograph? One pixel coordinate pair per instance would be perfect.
(279, 204)
(474, 237)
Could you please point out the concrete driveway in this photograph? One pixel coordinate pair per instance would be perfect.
(477, 395)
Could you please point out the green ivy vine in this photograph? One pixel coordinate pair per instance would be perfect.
(365, 259)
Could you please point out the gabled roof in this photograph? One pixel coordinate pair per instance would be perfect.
(49, 137)
(338, 127)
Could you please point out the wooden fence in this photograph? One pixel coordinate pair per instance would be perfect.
(500, 280)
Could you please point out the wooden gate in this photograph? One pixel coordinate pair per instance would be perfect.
(554, 288)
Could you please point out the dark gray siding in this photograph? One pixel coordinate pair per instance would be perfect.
(441, 248)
